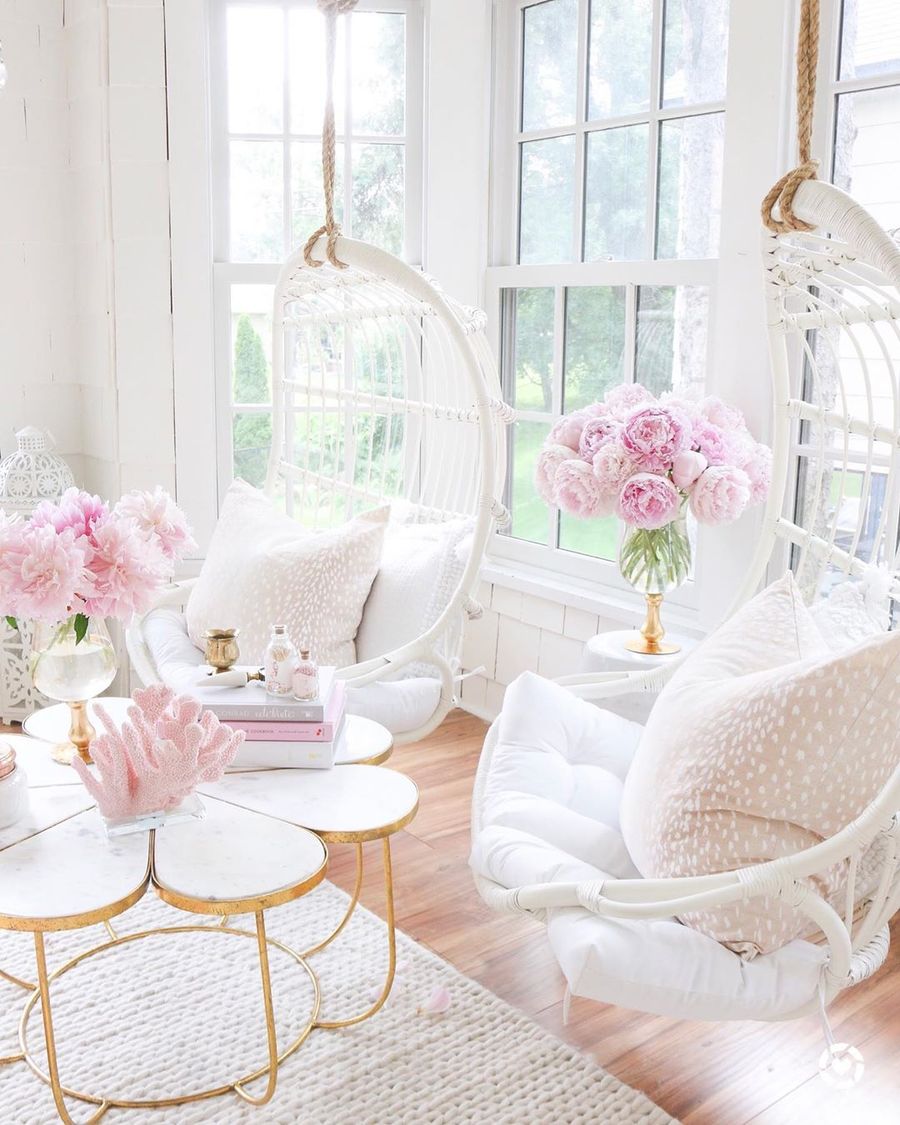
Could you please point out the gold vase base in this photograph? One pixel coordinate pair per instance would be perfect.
(651, 648)
(65, 752)
(649, 642)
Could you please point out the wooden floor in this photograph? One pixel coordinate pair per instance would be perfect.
(703, 1074)
(726, 1074)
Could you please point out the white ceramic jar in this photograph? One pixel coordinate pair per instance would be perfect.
(13, 787)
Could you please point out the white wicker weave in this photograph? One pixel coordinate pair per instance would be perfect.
(383, 389)
(833, 301)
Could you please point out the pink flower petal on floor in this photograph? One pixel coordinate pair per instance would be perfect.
(437, 1003)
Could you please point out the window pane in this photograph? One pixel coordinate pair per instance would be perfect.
(695, 51)
(251, 343)
(619, 80)
(255, 70)
(307, 201)
(598, 538)
(530, 518)
(870, 38)
(595, 343)
(671, 338)
(306, 40)
(867, 151)
(547, 196)
(533, 388)
(378, 195)
(549, 66)
(378, 465)
(251, 437)
(378, 69)
(257, 201)
(690, 186)
(615, 218)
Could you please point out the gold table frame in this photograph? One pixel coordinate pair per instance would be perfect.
(224, 910)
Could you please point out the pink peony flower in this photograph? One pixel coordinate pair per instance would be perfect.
(625, 397)
(41, 571)
(567, 430)
(685, 406)
(720, 495)
(612, 467)
(125, 570)
(648, 501)
(75, 509)
(597, 410)
(598, 432)
(549, 460)
(654, 436)
(758, 467)
(687, 466)
(718, 446)
(158, 516)
(578, 491)
(721, 414)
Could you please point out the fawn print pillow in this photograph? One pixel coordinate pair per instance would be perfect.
(762, 744)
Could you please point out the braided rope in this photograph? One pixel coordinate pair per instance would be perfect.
(331, 9)
(782, 193)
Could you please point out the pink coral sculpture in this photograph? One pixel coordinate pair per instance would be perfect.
(167, 745)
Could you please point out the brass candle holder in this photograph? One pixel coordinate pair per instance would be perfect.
(222, 651)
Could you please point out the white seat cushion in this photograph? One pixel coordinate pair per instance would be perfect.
(401, 706)
(550, 813)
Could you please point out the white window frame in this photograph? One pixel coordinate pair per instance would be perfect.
(757, 101)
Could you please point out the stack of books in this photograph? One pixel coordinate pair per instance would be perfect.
(281, 732)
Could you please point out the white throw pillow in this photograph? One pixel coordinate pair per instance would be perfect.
(762, 744)
(421, 565)
(263, 568)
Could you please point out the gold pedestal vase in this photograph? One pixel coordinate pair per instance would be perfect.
(73, 664)
(655, 561)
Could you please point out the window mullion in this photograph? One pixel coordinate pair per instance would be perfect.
(656, 65)
(631, 290)
(581, 89)
(287, 195)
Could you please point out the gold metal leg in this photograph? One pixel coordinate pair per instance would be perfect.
(392, 945)
(348, 913)
(49, 1039)
(271, 1034)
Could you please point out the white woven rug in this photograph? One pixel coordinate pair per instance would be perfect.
(169, 1014)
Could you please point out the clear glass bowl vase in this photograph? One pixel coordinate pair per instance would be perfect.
(658, 560)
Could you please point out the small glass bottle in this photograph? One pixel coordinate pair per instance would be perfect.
(13, 788)
(279, 661)
(306, 677)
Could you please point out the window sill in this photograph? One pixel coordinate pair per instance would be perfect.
(614, 607)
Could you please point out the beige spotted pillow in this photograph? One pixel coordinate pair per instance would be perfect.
(263, 568)
(763, 743)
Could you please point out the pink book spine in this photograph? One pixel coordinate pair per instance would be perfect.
(260, 730)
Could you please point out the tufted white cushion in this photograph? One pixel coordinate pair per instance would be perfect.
(263, 568)
(762, 744)
(421, 565)
(551, 814)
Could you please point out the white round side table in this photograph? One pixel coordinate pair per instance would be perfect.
(606, 652)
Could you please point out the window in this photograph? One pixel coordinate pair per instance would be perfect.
(268, 80)
(609, 271)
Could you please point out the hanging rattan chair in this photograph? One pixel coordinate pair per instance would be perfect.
(833, 301)
(384, 389)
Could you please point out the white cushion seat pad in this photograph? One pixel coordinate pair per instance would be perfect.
(550, 813)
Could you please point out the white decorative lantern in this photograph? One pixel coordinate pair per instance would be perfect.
(32, 474)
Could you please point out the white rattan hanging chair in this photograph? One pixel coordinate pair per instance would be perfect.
(832, 288)
(384, 390)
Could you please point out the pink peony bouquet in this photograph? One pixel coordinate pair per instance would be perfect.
(648, 461)
(79, 558)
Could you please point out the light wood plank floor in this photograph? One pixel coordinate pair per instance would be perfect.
(704, 1074)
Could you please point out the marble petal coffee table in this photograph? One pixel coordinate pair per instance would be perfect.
(262, 842)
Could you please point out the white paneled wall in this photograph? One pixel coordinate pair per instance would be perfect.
(37, 380)
(521, 632)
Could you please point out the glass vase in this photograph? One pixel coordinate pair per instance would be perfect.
(655, 561)
(73, 671)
